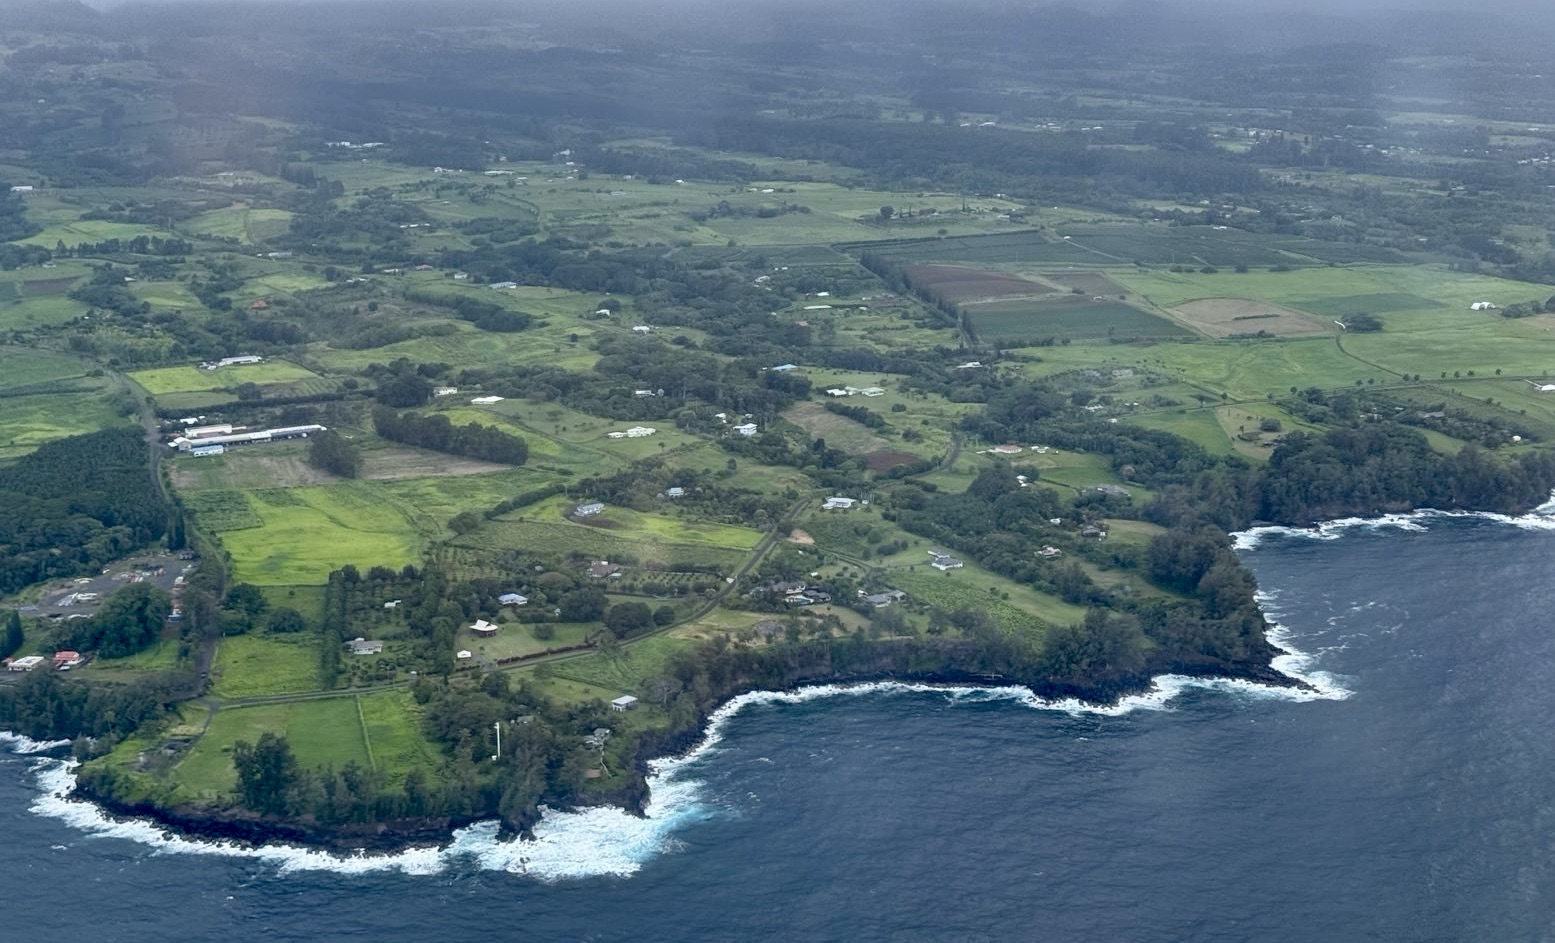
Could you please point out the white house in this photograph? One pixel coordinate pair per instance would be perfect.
(640, 432)
(624, 702)
(361, 646)
(642, 329)
(26, 663)
(642, 393)
(486, 400)
(834, 391)
(785, 368)
(444, 390)
(838, 504)
(872, 391)
(969, 365)
(512, 599)
(945, 563)
(588, 510)
(675, 492)
(615, 435)
(21, 188)
(483, 628)
(746, 429)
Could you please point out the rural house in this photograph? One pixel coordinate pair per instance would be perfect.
(512, 599)
(838, 504)
(624, 702)
(361, 646)
(604, 570)
(484, 629)
(588, 510)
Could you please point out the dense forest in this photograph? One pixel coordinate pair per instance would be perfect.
(75, 504)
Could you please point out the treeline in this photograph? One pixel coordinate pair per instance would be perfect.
(13, 216)
(858, 414)
(75, 504)
(483, 314)
(46, 706)
(438, 433)
(330, 451)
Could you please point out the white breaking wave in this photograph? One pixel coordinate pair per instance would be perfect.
(1540, 518)
(16, 743)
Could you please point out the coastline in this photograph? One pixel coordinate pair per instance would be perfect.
(415, 845)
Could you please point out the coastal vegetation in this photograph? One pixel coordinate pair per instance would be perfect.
(608, 408)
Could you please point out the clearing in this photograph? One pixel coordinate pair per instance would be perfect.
(1223, 317)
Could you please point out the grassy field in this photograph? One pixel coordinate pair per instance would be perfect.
(306, 533)
(191, 379)
(625, 672)
(241, 222)
(256, 664)
(324, 732)
(1027, 612)
(27, 422)
(23, 368)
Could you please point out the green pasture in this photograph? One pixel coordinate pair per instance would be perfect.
(28, 421)
(306, 533)
(240, 221)
(645, 526)
(191, 379)
(321, 733)
(258, 663)
(626, 671)
(1241, 369)
(166, 294)
(559, 538)
(517, 639)
(24, 368)
(1027, 612)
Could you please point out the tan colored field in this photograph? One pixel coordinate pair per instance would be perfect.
(1222, 317)
(840, 432)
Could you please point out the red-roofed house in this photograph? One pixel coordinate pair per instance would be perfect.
(67, 659)
(259, 305)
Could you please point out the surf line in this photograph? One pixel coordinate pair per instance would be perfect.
(608, 841)
(1540, 518)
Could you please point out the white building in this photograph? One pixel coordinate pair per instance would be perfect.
(641, 329)
(32, 661)
(486, 400)
(483, 628)
(838, 504)
(624, 702)
(444, 390)
(21, 188)
(746, 429)
(640, 432)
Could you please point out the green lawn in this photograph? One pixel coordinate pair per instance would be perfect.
(258, 664)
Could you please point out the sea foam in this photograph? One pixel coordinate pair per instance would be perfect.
(1540, 518)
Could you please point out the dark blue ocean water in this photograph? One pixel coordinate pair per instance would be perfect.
(1420, 807)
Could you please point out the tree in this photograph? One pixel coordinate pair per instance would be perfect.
(14, 637)
(268, 776)
(246, 598)
(333, 453)
(286, 621)
(886, 212)
(628, 617)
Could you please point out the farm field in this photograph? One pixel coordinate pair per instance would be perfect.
(242, 222)
(961, 284)
(517, 639)
(1027, 612)
(306, 533)
(840, 432)
(23, 368)
(1067, 316)
(191, 379)
(1221, 317)
(258, 663)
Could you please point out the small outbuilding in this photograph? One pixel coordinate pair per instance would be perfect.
(624, 702)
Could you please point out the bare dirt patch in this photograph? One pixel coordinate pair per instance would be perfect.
(1222, 317)
(886, 460)
(48, 286)
(801, 537)
(968, 284)
(394, 463)
(246, 470)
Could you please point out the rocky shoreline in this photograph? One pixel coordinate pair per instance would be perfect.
(392, 837)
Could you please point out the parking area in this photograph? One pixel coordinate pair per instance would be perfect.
(81, 597)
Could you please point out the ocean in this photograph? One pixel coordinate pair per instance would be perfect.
(1408, 795)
